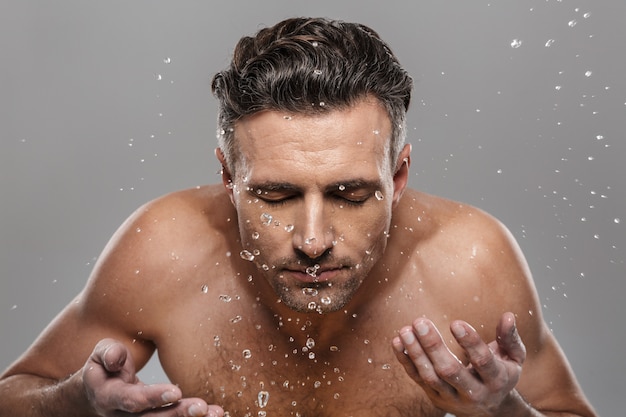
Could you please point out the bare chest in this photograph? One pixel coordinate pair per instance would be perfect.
(251, 368)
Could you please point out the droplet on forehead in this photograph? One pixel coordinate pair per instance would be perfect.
(379, 195)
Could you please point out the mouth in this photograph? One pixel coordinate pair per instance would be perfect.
(314, 274)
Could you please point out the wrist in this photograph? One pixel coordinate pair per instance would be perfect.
(514, 405)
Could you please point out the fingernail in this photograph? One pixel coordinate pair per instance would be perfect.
(422, 328)
(169, 397)
(195, 410)
(407, 337)
(458, 330)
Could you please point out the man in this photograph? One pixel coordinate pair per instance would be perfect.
(312, 282)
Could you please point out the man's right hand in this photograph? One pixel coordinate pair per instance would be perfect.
(113, 389)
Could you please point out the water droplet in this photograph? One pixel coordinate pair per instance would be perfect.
(386, 366)
(205, 288)
(516, 43)
(309, 241)
(255, 235)
(263, 397)
(266, 219)
(379, 195)
(167, 60)
(246, 255)
(572, 23)
(617, 220)
(309, 291)
(549, 43)
(310, 343)
(225, 298)
(236, 319)
(312, 305)
(317, 384)
(247, 354)
(342, 187)
(312, 270)
(289, 228)
(317, 71)
(588, 73)
(314, 43)
(326, 300)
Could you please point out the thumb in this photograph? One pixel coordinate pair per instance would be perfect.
(509, 340)
(113, 356)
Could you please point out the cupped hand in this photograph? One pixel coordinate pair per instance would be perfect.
(113, 389)
(484, 386)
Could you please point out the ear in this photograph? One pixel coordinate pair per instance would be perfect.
(401, 175)
(227, 179)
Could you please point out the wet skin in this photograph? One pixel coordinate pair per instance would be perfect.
(349, 307)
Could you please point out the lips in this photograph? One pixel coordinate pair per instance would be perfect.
(321, 274)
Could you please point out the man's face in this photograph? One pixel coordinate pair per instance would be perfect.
(314, 196)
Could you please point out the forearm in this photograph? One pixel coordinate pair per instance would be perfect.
(33, 396)
(516, 406)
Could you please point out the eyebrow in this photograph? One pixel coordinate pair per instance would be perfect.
(352, 184)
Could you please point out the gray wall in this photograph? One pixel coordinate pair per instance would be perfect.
(519, 108)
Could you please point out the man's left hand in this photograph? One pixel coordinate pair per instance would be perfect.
(482, 387)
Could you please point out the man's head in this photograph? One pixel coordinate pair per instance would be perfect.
(310, 66)
(312, 130)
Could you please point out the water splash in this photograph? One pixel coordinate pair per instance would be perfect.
(309, 291)
(246, 255)
(312, 270)
(263, 398)
(266, 219)
(310, 343)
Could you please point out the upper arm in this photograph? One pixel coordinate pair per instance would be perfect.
(547, 381)
(107, 307)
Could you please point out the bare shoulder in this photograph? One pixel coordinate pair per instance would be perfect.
(466, 257)
(158, 250)
(162, 242)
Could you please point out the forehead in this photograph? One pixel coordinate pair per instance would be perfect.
(356, 139)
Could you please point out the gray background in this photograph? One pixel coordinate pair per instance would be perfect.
(519, 108)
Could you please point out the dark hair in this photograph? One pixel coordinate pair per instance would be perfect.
(310, 65)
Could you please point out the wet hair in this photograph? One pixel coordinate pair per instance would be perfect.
(310, 66)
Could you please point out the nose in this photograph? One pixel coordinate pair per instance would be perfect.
(313, 234)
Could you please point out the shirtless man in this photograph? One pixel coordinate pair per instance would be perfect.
(312, 282)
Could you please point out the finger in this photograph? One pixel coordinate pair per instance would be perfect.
(445, 364)
(403, 358)
(111, 354)
(509, 339)
(134, 398)
(187, 407)
(479, 354)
